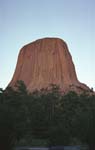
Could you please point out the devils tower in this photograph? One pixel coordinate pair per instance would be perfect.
(44, 62)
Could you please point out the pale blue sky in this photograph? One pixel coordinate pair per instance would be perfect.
(23, 21)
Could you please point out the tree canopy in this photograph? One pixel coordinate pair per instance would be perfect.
(46, 114)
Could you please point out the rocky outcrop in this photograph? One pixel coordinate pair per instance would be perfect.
(44, 62)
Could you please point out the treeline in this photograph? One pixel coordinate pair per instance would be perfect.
(46, 114)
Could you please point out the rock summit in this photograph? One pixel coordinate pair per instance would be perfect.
(44, 62)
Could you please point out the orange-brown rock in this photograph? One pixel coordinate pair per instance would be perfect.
(44, 62)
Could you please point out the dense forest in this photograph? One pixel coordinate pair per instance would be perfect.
(46, 117)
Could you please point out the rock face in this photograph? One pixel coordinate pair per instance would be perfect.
(44, 62)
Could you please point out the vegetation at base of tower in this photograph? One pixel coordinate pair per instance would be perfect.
(46, 115)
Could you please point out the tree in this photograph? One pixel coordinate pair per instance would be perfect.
(7, 131)
(13, 116)
(85, 120)
(46, 114)
(62, 133)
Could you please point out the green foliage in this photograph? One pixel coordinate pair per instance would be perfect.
(45, 115)
(12, 117)
(85, 120)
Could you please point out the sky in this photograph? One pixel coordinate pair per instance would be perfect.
(23, 21)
